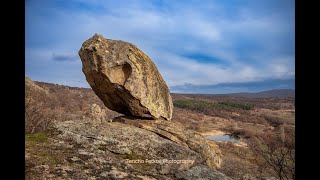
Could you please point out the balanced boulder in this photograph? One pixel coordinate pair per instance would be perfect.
(125, 78)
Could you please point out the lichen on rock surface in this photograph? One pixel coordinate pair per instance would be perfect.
(125, 78)
(118, 150)
(208, 150)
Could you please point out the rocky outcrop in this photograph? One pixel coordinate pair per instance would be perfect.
(121, 150)
(125, 78)
(97, 114)
(201, 172)
(187, 138)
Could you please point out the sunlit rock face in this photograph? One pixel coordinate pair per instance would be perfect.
(125, 78)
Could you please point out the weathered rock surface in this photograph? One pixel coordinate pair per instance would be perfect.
(187, 138)
(125, 78)
(121, 150)
(97, 114)
(201, 172)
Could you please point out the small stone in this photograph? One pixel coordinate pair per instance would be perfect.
(74, 158)
(83, 152)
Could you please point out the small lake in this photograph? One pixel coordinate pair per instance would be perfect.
(225, 138)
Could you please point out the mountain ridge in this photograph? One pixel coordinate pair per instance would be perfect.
(277, 93)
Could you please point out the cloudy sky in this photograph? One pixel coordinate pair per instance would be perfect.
(195, 44)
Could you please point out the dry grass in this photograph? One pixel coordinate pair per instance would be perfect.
(46, 103)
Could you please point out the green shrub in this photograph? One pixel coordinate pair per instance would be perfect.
(273, 120)
(205, 105)
(40, 137)
(236, 105)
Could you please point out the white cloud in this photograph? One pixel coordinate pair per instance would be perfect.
(166, 35)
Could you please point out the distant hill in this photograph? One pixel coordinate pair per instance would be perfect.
(279, 93)
(229, 88)
(275, 93)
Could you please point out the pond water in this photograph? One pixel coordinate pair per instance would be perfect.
(225, 138)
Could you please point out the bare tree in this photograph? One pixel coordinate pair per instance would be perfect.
(282, 133)
(274, 154)
(38, 116)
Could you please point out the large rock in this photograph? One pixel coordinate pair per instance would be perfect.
(125, 78)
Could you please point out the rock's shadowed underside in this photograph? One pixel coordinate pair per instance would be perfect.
(125, 79)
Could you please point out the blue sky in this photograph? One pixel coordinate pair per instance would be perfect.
(203, 43)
